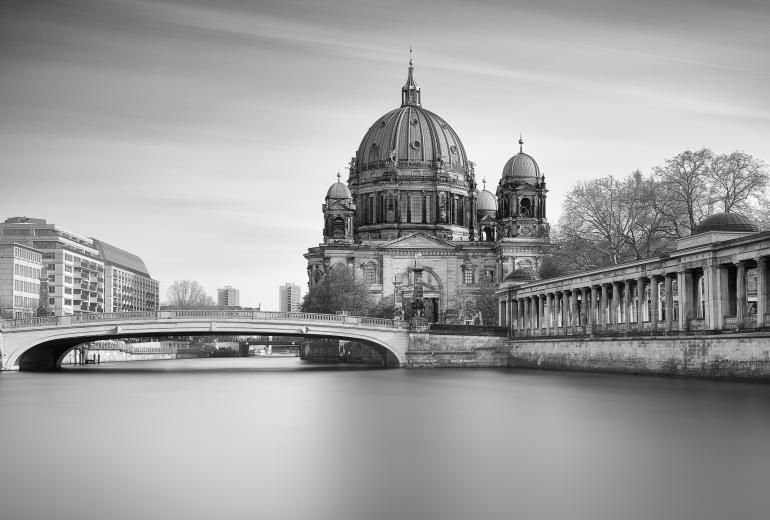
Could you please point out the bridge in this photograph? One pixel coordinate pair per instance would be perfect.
(42, 343)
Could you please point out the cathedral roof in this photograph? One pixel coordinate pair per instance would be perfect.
(486, 201)
(411, 136)
(726, 222)
(521, 165)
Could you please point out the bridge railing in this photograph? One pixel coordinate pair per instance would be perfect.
(239, 315)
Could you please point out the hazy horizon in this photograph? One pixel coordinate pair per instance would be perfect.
(203, 135)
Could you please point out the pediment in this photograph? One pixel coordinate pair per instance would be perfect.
(418, 241)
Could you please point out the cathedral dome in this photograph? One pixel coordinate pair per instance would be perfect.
(522, 274)
(338, 191)
(486, 201)
(411, 136)
(521, 165)
(726, 222)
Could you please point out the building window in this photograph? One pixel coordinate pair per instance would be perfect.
(51, 301)
(370, 274)
(416, 208)
(468, 276)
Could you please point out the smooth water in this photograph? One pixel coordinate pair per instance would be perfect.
(278, 438)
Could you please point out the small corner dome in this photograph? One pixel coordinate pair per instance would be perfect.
(525, 275)
(338, 191)
(726, 222)
(486, 201)
(521, 166)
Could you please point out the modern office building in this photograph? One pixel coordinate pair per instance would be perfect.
(128, 284)
(228, 297)
(20, 271)
(73, 269)
(290, 297)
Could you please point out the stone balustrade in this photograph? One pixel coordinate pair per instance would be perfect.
(235, 315)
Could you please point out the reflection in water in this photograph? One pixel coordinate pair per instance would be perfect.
(277, 438)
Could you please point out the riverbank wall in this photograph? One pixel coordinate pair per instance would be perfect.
(442, 350)
(721, 356)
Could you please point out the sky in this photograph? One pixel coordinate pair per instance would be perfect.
(203, 135)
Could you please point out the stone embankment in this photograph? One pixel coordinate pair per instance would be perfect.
(723, 356)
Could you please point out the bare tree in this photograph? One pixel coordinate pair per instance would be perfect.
(188, 294)
(738, 180)
(596, 213)
(686, 179)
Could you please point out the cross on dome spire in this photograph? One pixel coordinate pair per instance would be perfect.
(521, 144)
(410, 92)
(338, 175)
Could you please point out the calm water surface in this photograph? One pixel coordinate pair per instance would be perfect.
(277, 438)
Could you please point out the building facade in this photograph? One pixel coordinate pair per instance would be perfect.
(228, 297)
(289, 298)
(128, 284)
(716, 279)
(20, 272)
(411, 205)
(74, 278)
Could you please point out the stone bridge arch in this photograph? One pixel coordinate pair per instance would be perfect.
(43, 343)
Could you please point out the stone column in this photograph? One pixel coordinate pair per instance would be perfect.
(627, 305)
(654, 301)
(573, 312)
(740, 285)
(592, 314)
(761, 290)
(684, 283)
(615, 309)
(712, 297)
(727, 306)
(565, 312)
(640, 304)
(669, 288)
(518, 314)
(584, 306)
(548, 312)
(603, 306)
(538, 314)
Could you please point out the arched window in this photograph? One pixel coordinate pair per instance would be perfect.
(525, 208)
(338, 227)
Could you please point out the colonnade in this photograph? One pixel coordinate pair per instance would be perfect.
(698, 297)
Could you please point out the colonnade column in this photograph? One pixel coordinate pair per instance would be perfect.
(584, 307)
(627, 305)
(565, 312)
(592, 314)
(603, 306)
(741, 293)
(541, 314)
(668, 287)
(640, 304)
(761, 291)
(615, 310)
(573, 312)
(549, 312)
(654, 301)
(684, 284)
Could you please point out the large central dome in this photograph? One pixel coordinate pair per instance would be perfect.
(411, 136)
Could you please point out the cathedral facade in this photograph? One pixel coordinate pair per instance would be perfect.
(411, 202)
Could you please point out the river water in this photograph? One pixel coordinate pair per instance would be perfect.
(279, 438)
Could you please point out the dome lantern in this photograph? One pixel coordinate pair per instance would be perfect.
(410, 92)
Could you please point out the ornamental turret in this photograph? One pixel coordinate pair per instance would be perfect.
(521, 196)
(338, 213)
